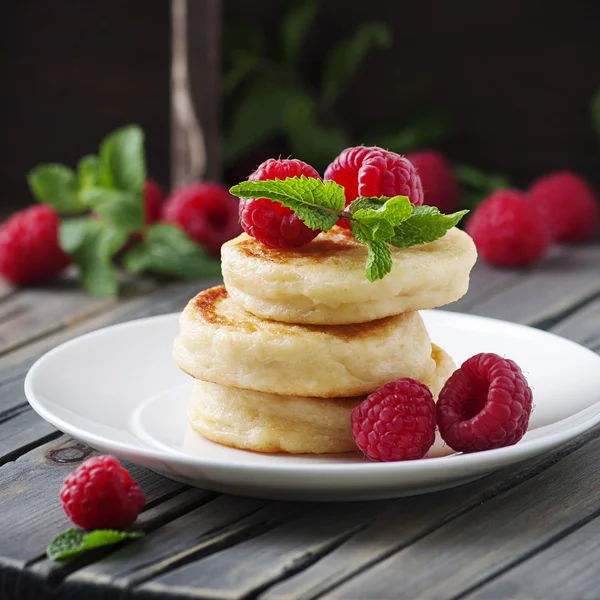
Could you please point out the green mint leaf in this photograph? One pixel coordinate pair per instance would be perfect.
(92, 244)
(117, 208)
(379, 258)
(167, 249)
(122, 160)
(294, 30)
(345, 59)
(75, 541)
(55, 185)
(426, 224)
(316, 202)
(372, 210)
(88, 171)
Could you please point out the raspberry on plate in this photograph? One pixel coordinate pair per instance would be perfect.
(570, 206)
(397, 422)
(270, 222)
(485, 404)
(206, 211)
(29, 249)
(440, 184)
(100, 494)
(373, 171)
(153, 198)
(509, 230)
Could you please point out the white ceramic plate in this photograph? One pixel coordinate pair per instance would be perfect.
(118, 390)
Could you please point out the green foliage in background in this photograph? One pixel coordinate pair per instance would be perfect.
(269, 97)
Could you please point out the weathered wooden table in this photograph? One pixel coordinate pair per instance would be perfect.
(532, 531)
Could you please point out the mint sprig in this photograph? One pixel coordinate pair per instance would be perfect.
(109, 186)
(375, 222)
(318, 203)
(73, 542)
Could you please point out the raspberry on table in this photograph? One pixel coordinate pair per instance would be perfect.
(397, 422)
(154, 197)
(509, 230)
(373, 171)
(100, 494)
(29, 248)
(440, 184)
(569, 204)
(485, 404)
(206, 211)
(270, 222)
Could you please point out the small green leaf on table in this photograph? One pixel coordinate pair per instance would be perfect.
(92, 244)
(56, 185)
(73, 542)
(167, 249)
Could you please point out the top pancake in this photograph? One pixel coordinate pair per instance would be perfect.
(324, 282)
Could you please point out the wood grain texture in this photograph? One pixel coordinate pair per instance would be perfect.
(567, 569)
(30, 511)
(550, 291)
(583, 326)
(244, 569)
(485, 282)
(474, 547)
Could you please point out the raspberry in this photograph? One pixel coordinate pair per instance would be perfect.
(440, 185)
(372, 171)
(29, 250)
(397, 422)
(509, 230)
(485, 404)
(570, 206)
(269, 222)
(153, 199)
(100, 494)
(207, 212)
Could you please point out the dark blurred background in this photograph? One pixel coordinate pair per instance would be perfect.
(504, 86)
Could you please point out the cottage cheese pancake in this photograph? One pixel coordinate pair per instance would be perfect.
(324, 282)
(220, 342)
(269, 423)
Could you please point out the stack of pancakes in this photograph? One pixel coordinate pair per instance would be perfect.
(297, 338)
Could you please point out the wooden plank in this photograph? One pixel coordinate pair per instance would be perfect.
(225, 521)
(582, 326)
(23, 427)
(485, 282)
(549, 292)
(298, 544)
(494, 536)
(567, 569)
(245, 568)
(30, 510)
(37, 311)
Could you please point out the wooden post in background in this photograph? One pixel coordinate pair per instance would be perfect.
(195, 90)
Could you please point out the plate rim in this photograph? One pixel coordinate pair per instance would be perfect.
(489, 459)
